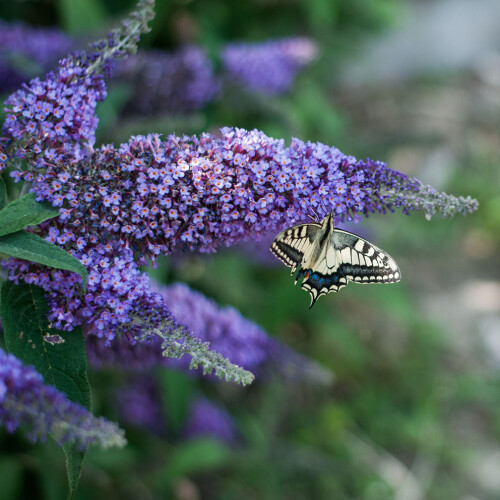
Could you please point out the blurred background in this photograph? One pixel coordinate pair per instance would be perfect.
(413, 411)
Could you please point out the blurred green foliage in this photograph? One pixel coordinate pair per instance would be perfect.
(414, 403)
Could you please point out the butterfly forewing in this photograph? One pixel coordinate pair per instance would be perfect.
(293, 246)
(362, 261)
(327, 258)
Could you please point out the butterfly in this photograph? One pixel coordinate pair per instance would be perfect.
(327, 258)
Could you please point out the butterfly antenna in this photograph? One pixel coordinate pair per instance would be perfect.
(315, 218)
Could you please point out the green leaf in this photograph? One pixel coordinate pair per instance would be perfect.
(24, 212)
(3, 193)
(28, 246)
(74, 462)
(63, 364)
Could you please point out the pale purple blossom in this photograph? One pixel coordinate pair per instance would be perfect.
(270, 67)
(139, 404)
(185, 80)
(240, 340)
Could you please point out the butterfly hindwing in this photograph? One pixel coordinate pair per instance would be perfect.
(318, 284)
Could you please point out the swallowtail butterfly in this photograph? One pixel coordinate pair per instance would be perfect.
(327, 258)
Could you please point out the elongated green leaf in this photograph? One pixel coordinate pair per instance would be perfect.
(3, 193)
(74, 462)
(63, 364)
(24, 212)
(28, 246)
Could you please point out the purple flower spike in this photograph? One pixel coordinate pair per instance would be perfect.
(139, 404)
(51, 119)
(58, 112)
(207, 419)
(197, 193)
(184, 80)
(25, 400)
(237, 338)
(269, 67)
(240, 340)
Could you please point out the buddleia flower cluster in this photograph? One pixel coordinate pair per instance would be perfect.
(42, 410)
(238, 339)
(270, 67)
(186, 80)
(183, 80)
(168, 82)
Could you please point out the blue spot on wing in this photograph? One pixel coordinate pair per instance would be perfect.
(318, 280)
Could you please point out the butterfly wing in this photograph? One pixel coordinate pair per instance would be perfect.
(362, 261)
(348, 257)
(295, 245)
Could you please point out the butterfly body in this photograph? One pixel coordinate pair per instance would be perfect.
(327, 258)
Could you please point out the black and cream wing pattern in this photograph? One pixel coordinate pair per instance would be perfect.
(327, 258)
